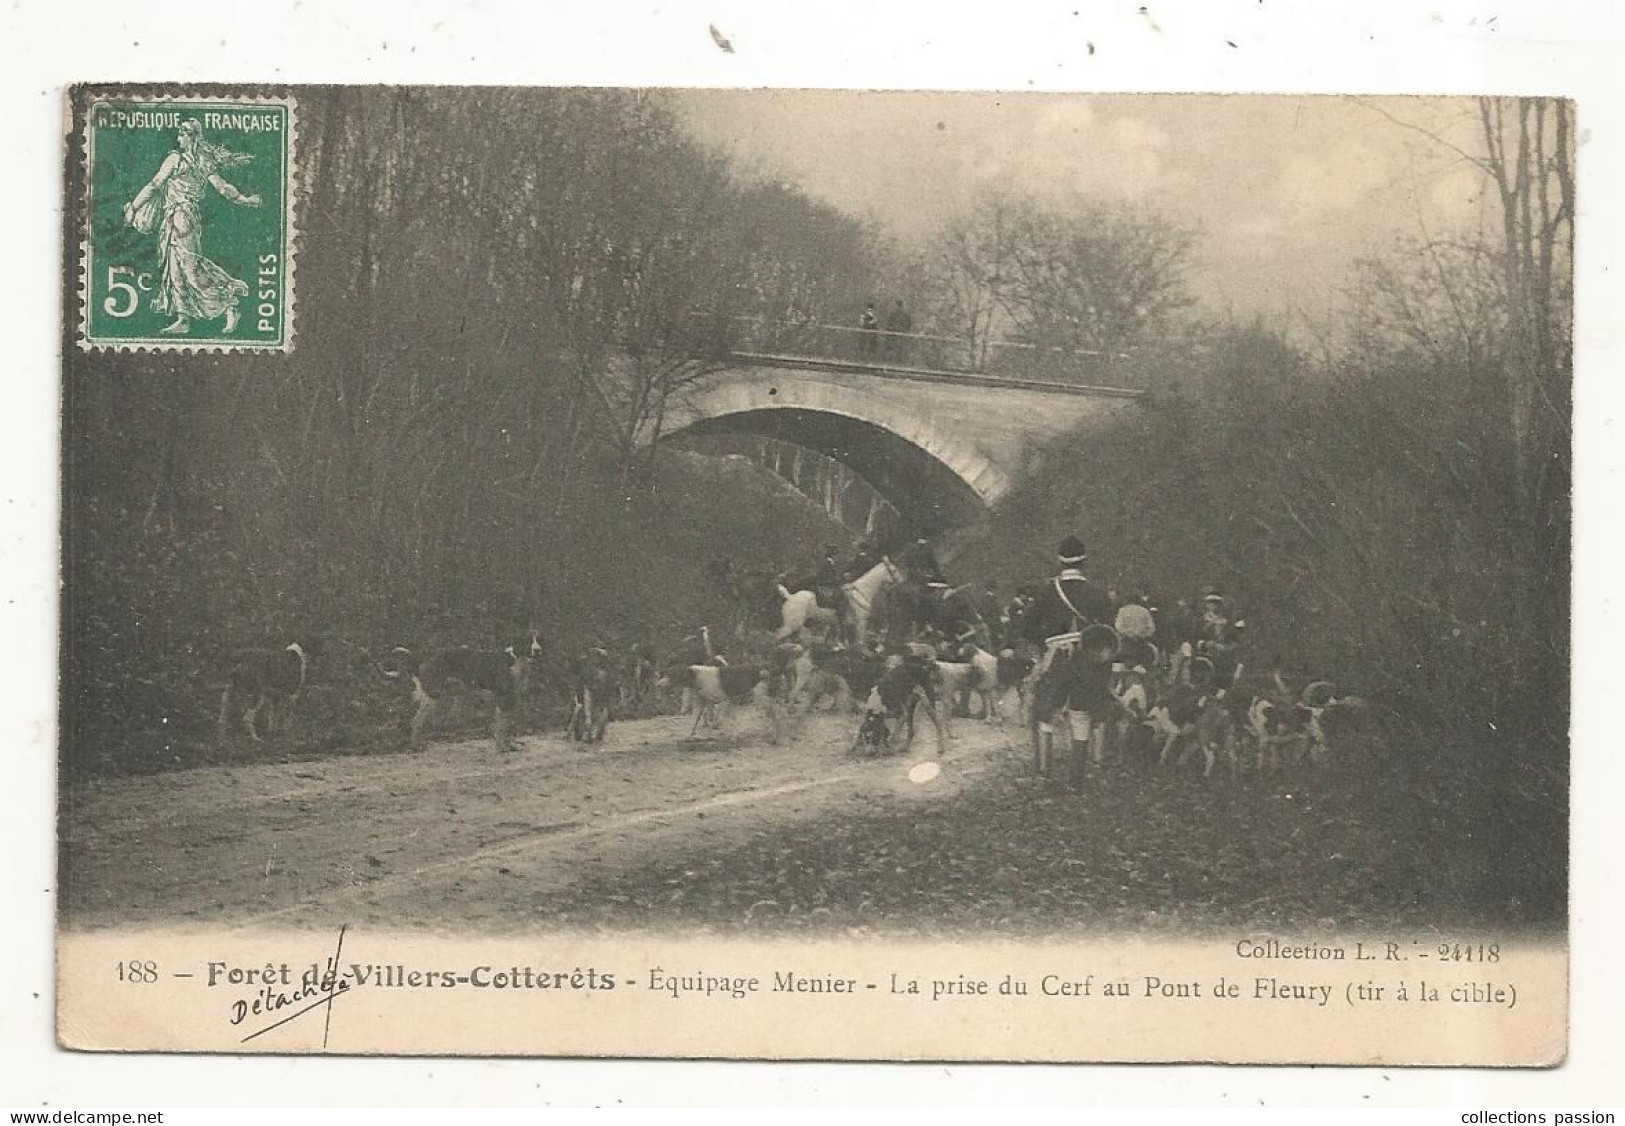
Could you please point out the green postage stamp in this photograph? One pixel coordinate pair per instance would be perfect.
(187, 234)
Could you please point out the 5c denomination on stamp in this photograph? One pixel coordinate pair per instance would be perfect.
(188, 223)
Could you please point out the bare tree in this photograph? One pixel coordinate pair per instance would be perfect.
(1528, 156)
(1444, 297)
(966, 267)
(1529, 145)
(1092, 276)
(1064, 276)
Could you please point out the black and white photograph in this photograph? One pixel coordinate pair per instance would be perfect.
(826, 519)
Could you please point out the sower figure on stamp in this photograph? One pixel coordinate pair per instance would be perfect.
(1072, 682)
(191, 286)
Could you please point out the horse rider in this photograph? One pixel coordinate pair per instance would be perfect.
(863, 560)
(918, 600)
(921, 565)
(826, 581)
(1069, 617)
(827, 572)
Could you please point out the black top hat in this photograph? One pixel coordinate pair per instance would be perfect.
(1071, 550)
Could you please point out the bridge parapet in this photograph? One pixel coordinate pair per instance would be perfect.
(905, 354)
(918, 374)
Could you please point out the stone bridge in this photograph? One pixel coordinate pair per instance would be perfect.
(944, 447)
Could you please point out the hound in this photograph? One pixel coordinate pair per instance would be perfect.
(976, 671)
(1275, 725)
(501, 675)
(1131, 688)
(695, 649)
(1202, 720)
(822, 684)
(903, 687)
(788, 661)
(859, 670)
(710, 685)
(1215, 734)
(817, 676)
(637, 676)
(957, 680)
(1015, 674)
(593, 683)
(1320, 699)
(269, 677)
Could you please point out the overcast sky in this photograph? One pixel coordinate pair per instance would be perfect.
(1287, 191)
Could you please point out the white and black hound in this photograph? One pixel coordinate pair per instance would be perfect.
(738, 685)
(907, 684)
(268, 677)
(501, 675)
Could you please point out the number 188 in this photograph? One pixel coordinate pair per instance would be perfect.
(138, 971)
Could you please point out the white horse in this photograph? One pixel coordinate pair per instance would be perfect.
(800, 609)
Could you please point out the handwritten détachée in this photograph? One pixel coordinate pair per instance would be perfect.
(270, 1000)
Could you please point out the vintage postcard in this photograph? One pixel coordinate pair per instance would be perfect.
(816, 575)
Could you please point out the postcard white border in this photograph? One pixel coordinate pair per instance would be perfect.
(1376, 46)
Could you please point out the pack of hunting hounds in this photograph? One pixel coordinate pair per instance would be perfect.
(885, 639)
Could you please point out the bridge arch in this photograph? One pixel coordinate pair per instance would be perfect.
(936, 476)
(942, 446)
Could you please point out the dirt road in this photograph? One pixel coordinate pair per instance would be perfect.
(460, 834)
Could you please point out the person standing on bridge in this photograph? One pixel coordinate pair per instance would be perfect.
(868, 334)
(898, 325)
